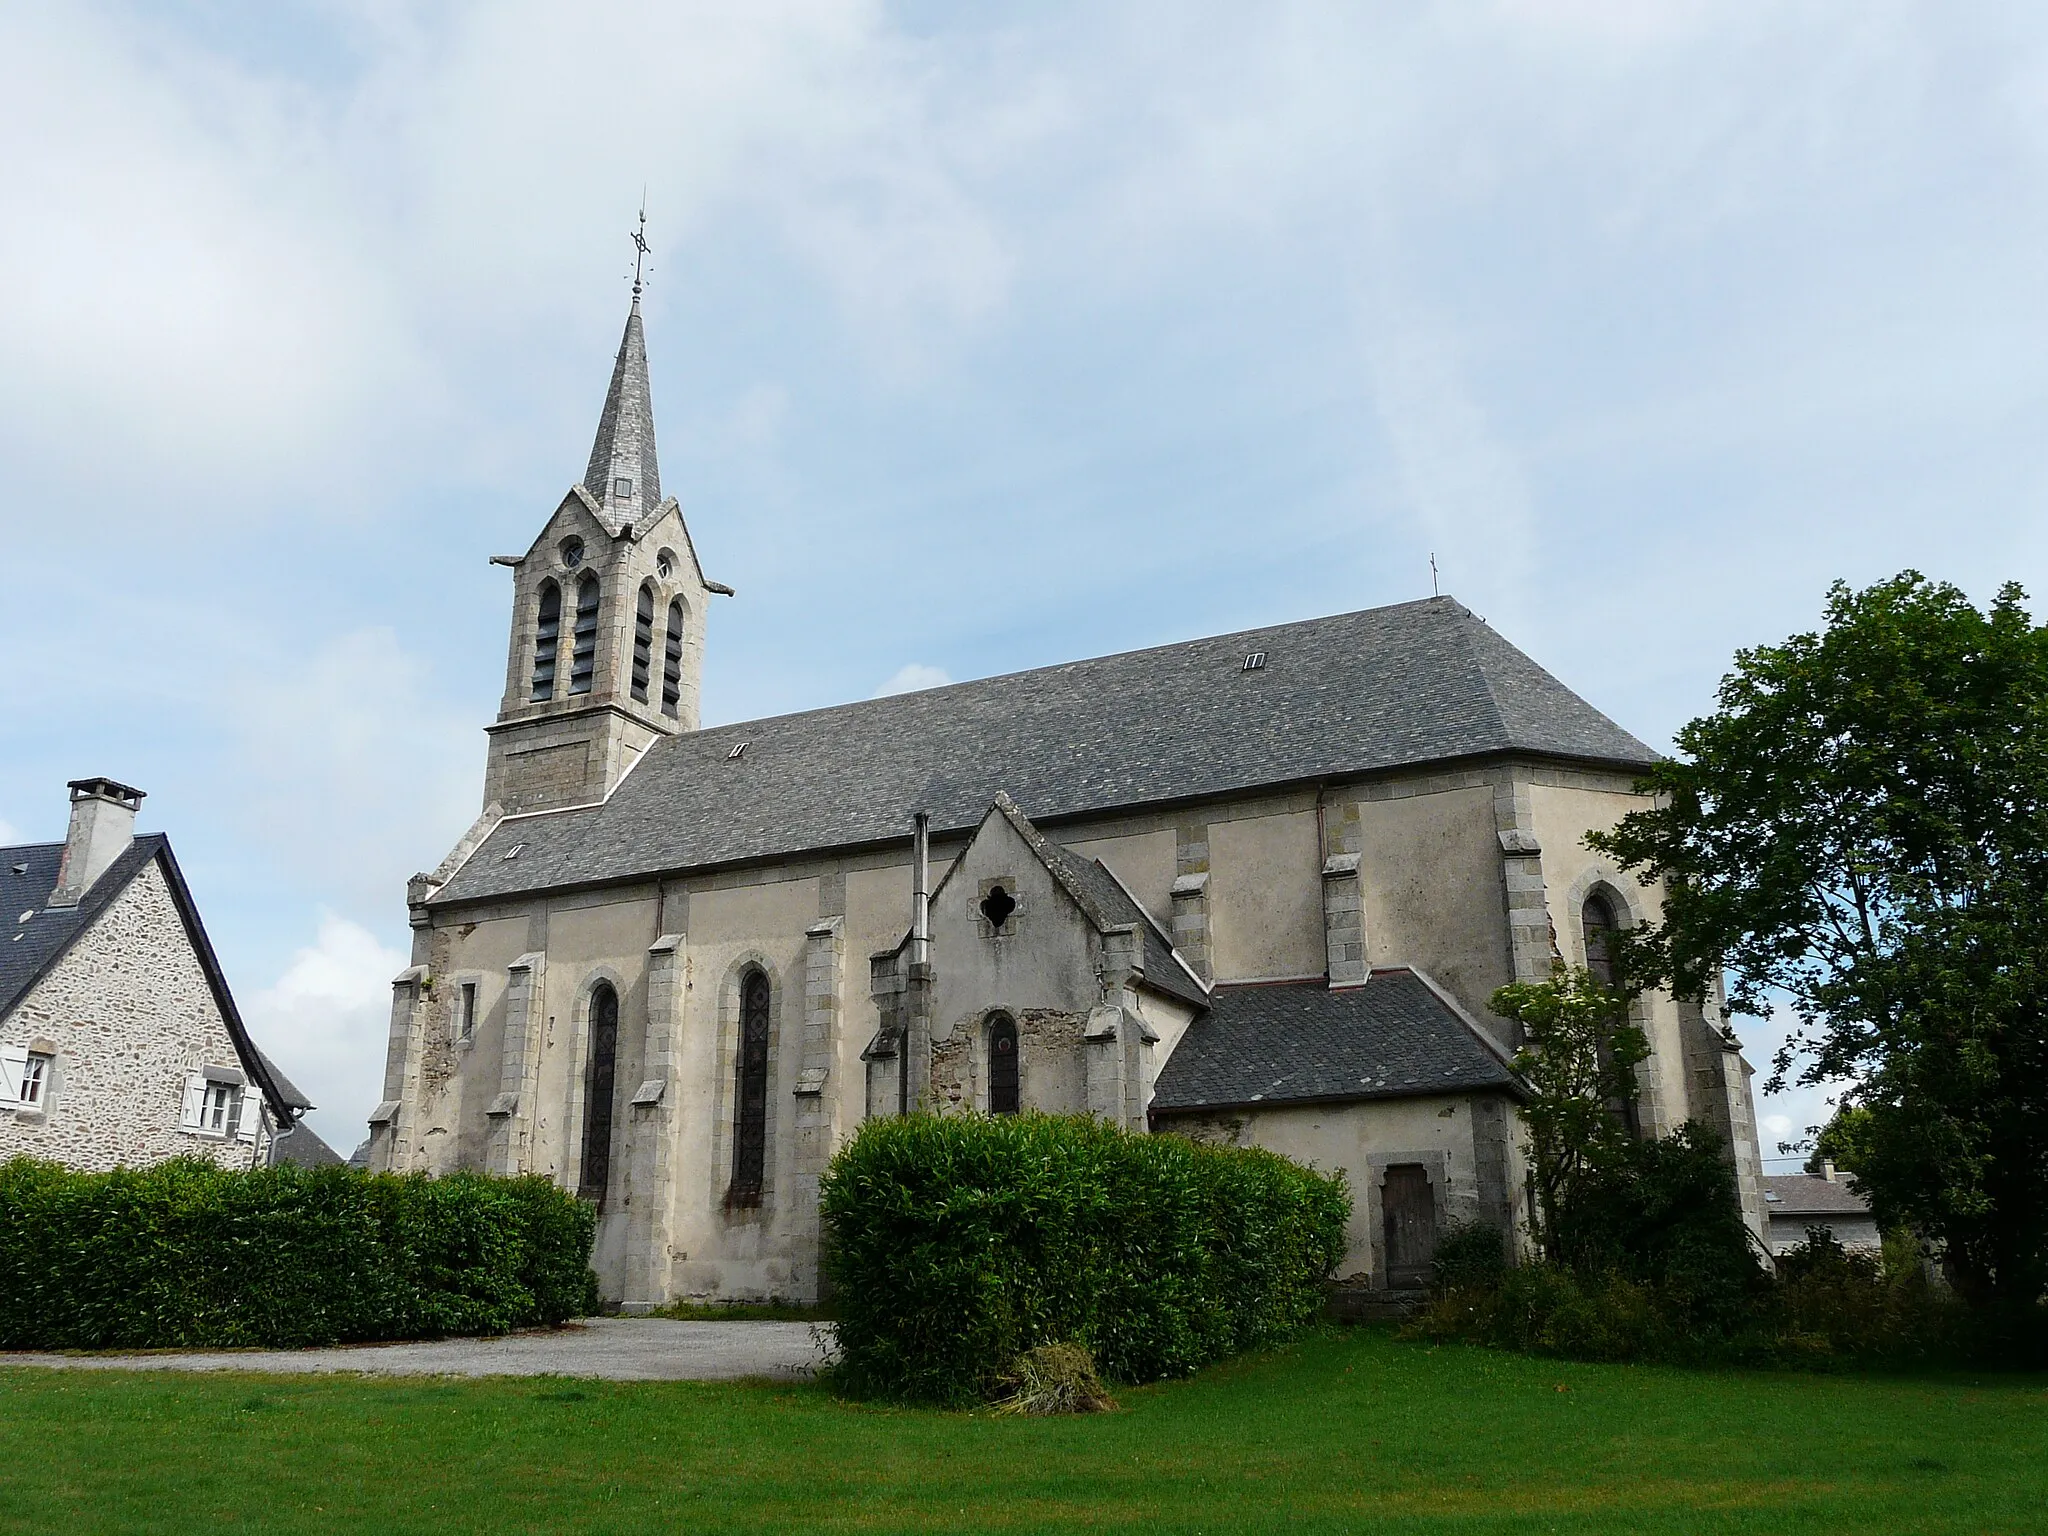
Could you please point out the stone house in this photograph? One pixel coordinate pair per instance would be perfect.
(1795, 1203)
(120, 1042)
(1256, 888)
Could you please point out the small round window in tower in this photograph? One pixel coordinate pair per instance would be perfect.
(572, 553)
(997, 906)
(665, 565)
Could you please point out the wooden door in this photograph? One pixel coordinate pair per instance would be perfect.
(1409, 1207)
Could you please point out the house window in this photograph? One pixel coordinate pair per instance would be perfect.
(672, 661)
(750, 1106)
(35, 1080)
(547, 642)
(1002, 1065)
(583, 660)
(643, 641)
(465, 1011)
(217, 1114)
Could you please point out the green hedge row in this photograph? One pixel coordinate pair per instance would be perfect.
(185, 1254)
(955, 1243)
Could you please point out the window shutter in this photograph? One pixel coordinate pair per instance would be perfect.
(195, 1102)
(252, 1114)
(13, 1062)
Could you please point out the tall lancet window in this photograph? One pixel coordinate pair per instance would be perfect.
(1002, 1065)
(1600, 923)
(583, 660)
(672, 662)
(643, 641)
(750, 1108)
(600, 1081)
(547, 642)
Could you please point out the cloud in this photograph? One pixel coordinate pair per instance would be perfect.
(9, 833)
(325, 1022)
(912, 677)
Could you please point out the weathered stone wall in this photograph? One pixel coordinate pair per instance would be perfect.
(129, 1017)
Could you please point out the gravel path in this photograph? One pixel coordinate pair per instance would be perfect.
(613, 1348)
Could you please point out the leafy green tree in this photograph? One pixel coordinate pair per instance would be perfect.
(1861, 829)
(1580, 1059)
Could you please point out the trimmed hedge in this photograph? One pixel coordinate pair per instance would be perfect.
(956, 1243)
(185, 1254)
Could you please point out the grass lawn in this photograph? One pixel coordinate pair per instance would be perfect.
(1348, 1431)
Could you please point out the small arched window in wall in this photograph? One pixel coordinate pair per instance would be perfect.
(1002, 1065)
(672, 661)
(598, 1087)
(547, 642)
(583, 660)
(643, 641)
(750, 1096)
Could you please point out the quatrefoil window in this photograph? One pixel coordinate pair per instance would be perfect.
(997, 906)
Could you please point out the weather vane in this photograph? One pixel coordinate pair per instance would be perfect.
(640, 246)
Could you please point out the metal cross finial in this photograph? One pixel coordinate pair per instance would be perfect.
(1433, 589)
(640, 246)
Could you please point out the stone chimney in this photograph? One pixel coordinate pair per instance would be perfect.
(102, 827)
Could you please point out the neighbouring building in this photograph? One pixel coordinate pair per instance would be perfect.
(1256, 888)
(1798, 1202)
(119, 1039)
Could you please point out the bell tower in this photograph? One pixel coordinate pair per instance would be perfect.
(608, 605)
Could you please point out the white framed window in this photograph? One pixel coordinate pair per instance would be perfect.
(218, 1111)
(35, 1080)
(214, 1105)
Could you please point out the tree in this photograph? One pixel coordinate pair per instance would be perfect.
(1861, 829)
(1580, 1059)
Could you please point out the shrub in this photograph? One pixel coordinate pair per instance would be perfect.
(1470, 1256)
(186, 1254)
(958, 1243)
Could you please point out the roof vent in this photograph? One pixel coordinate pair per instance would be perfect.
(1255, 661)
(738, 751)
(514, 851)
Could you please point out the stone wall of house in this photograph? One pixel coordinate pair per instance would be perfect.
(128, 1016)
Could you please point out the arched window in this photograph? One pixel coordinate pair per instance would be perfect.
(1596, 922)
(1002, 1065)
(547, 640)
(597, 1093)
(750, 1096)
(643, 641)
(583, 660)
(672, 660)
(1599, 923)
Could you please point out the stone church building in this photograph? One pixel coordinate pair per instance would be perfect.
(1255, 888)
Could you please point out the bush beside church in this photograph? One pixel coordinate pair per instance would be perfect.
(189, 1255)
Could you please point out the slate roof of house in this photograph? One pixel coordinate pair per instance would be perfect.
(1358, 693)
(39, 936)
(1807, 1194)
(301, 1146)
(1303, 1042)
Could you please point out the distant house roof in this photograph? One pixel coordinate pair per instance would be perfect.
(1395, 1037)
(1330, 698)
(301, 1146)
(1807, 1194)
(40, 936)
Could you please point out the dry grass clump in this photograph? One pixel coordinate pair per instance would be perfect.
(1054, 1378)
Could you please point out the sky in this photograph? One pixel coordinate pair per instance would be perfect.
(981, 338)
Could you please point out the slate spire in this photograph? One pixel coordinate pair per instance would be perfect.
(623, 476)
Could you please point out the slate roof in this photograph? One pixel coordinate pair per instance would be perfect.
(1807, 1194)
(28, 874)
(301, 1146)
(1302, 1042)
(1358, 693)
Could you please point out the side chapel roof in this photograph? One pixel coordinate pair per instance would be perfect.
(1397, 1036)
(1333, 698)
(39, 936)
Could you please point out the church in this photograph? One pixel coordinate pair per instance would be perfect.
(1254, 889)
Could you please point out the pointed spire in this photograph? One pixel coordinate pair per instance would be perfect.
(623, 475)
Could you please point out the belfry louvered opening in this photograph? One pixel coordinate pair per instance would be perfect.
(643, 641)
(583, 660)
(672, 661)
(547, 641)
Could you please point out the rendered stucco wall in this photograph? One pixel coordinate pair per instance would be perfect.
(130, 1016)
(1266, 897)
(1430, 878)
